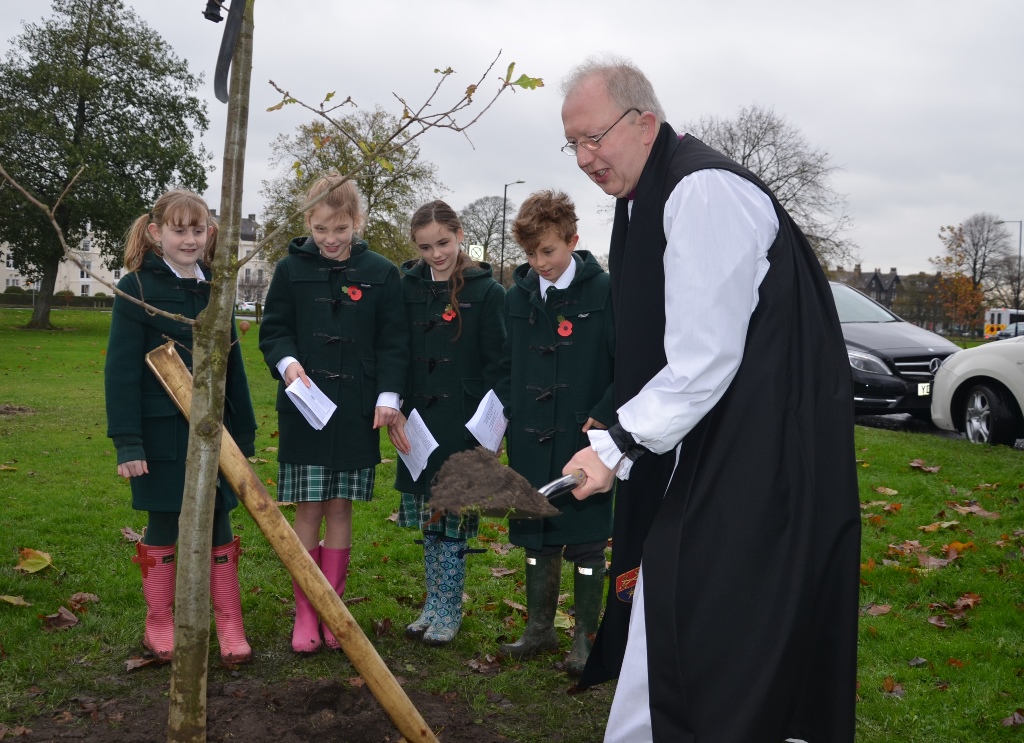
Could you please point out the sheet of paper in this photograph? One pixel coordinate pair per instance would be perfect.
(421, 443)
(314, 405)
(488, 423)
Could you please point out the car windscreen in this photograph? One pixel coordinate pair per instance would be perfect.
(853, 306)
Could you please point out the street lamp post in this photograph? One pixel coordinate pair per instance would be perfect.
(504, 208)
(1017, 293)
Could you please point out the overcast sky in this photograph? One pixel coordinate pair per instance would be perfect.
(919, 102)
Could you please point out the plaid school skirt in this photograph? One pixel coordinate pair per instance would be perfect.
(311, 483)
(415, 513)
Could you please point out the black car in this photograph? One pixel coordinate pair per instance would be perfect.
(893, 361)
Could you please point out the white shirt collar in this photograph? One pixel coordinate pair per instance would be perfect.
(561, 282)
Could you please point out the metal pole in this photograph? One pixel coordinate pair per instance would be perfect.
(1017, 289)
(1020, 242)
(504, 208)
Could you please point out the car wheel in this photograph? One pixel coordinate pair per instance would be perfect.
(988, 418)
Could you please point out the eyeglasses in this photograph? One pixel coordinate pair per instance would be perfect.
(593, 143)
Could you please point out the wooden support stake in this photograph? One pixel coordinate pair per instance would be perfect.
(168, 367)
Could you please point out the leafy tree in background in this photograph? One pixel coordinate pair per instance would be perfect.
(95, 87)
(918, 301)
(391, 193)
(798, 174)
(481, 223)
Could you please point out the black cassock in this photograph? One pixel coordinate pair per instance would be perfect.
(751, 546)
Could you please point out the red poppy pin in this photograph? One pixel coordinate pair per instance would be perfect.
(564, 327)
(354, 292)
(449, 313)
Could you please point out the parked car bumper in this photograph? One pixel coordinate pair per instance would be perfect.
(874, 393)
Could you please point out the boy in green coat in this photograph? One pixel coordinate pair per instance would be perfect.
(556, 385)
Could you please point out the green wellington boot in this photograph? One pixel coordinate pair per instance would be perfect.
(543, 579)
(588, 593)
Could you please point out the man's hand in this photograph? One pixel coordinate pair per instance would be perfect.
(599, 478)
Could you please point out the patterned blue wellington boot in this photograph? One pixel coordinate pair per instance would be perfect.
(451, 579)
(432, 569)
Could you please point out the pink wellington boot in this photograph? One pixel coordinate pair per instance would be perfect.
(306, 633)
(334, 565)
(227, 603)
(158, 574)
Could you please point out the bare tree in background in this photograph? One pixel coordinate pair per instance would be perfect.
(797, 173)
(977, 245)
(481, 223)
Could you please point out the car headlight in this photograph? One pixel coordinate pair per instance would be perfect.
(865, 362)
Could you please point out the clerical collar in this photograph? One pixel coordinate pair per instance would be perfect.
(561, 282)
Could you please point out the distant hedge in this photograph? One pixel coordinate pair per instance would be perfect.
(59, 300)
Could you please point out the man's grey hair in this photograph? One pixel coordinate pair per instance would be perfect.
(624, 82)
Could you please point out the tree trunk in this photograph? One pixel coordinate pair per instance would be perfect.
(173, 375)
(44, 298)
(212, 342)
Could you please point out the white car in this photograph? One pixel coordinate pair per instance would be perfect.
(246, 307)
(980, 392)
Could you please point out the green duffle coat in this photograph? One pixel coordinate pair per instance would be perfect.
(448, 379)
(344, 322)
(552, 384)
(142, 420)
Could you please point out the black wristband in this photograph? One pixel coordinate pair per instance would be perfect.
(626, 443)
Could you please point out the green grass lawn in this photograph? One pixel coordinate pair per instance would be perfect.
(59, 493)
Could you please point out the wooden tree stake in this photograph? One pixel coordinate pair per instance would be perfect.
(176, 379)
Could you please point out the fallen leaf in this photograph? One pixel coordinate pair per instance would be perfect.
(16, 600)
(968, 601)
(270, 448)
(935, 563)
(972, 508)
(61, 620)
(877, 610)
(502, 572)
(937, 621)
(939, 525)
(887, 491)
(5, 468)
(917, 662)
(133, 664)
(78, 601)
(32, 561)
(955, 663)
(382, 627)
(563, 620)
(393, 517)
(356, 681)
(892, 688)
(514, 605)
(258, 460)
(501, 549)
(1017, 718)
(921, 465)
(130, 535)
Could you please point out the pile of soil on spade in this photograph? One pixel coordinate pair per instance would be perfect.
(475, 481)
(296, 711)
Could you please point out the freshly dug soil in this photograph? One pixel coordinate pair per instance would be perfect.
(475, 481)
(247, 710)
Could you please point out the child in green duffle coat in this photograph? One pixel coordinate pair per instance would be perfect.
(333, 316)
(454, 309)
(557, 384)
(167, 256)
